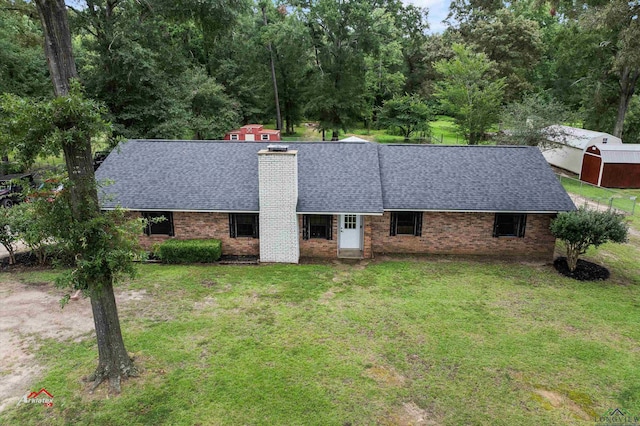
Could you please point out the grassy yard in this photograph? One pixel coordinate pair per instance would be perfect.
(443, 132)
(620, 199)
(447, 341)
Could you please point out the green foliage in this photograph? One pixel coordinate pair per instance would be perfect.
(8, 236)
(31, 223)
(23, 68)
(514, 44)
(632, 121)
(40, 127)
(342, 36)
(103, 245)
(408, 113)
(584, 228)
(469, 91)
(527, 122)
(189, 251)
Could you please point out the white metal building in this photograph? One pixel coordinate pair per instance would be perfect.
(570, 145)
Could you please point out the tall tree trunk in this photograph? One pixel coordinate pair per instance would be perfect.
(273, 76)
(628, 80)
(114, 362)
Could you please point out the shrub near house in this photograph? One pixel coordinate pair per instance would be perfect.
(189, 251)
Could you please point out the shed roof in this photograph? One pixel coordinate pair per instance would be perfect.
(353, 139)
(333, 177)
(578, 138)
(625, 153)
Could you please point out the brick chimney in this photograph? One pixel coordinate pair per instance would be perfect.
(278, 181)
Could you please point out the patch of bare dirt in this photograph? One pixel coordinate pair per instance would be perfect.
(410, 414)
(558, 400)
(30, 313)
(386, 376)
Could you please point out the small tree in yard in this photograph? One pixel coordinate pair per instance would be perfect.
(469, 93)
(584, 228)
(8, 237)
(31, 228)
(407, 113)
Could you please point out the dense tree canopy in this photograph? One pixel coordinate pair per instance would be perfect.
(195, 69)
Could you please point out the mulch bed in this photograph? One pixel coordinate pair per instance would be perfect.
(585, 271)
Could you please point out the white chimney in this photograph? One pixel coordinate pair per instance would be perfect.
(278, 182)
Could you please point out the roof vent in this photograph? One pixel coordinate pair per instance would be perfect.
(604, 140)
(278, 148)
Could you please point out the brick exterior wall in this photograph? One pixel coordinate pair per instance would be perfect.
(466, 234)
(278, 190)
(442, 233)
(192, 225)
(319, 247)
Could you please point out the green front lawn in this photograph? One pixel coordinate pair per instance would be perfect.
(449, 341)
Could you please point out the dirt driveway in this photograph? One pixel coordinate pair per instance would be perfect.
(29, 313)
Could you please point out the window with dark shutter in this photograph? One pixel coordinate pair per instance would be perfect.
(406, 223)
(158, 223)
(317, 226)
(243, 225)
(509, 225)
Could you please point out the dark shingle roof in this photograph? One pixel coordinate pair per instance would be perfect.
(335, 177)
(469, 178)
(223, 176)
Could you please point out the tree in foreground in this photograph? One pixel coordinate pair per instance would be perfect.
(99, 244)
(407, 113)
(584, 228)
(469, 92)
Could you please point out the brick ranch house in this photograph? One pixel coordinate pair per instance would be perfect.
(339, 199)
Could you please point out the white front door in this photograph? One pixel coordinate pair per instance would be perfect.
(249, 137)
(350, 231)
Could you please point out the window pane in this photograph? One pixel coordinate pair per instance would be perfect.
(509, 225)
(319, 226)
(160, 228)
(405, 223)
(244, 225)
(350, 221)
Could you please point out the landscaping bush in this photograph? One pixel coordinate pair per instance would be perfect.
(189, 251)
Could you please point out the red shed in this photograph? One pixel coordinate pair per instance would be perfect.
(612, 166)
(253, 132)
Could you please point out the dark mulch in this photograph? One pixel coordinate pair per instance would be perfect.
(585, 271)
(238, 260)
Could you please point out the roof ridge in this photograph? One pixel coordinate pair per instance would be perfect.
(251, 142)
(456, 146)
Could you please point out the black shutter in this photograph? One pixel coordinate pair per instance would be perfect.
(256, 231)
(495, 226)
(394, 223)
(232, 225)
(330, 230)
(418, 224)
(170, 219)
(522, 225)
(305, 226)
